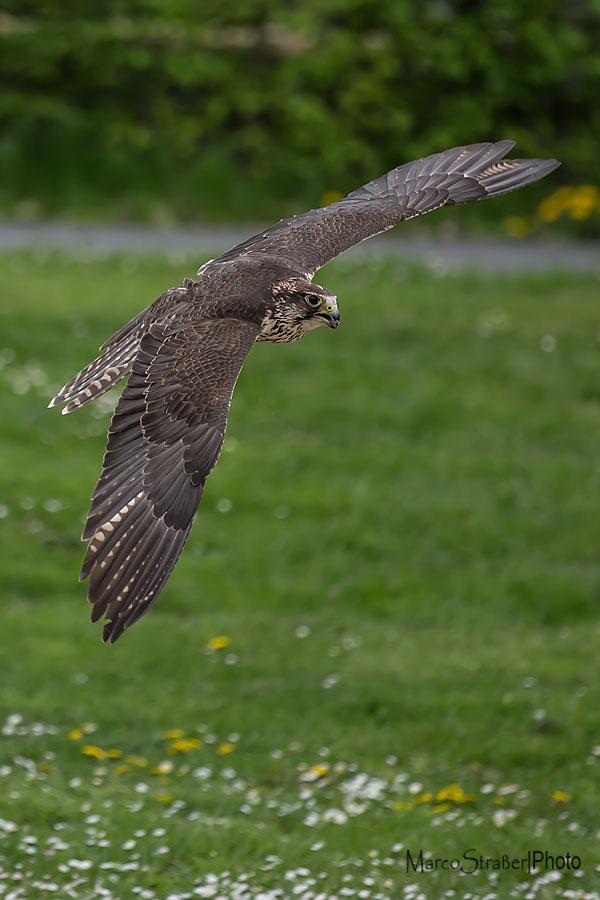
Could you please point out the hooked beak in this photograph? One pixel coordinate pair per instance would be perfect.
(331, 317)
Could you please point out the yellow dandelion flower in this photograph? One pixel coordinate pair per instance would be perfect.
(123, 769)
(163, 768)
(562, 196)
(173, 735)
(92, 750)
(580, 210)
(560, 796)
(441, 807)
(140, 761)
(578, 202)
(582, 201)
(550, 209)
(114, 754)
(222, 749)
(517, 227)
(399, 805)
(164, 798)
(331, 197)
(453, 792)
(589, 192)
(185, 744)
(88, 727)
(319, 769)
(75, 735)
(217, 643)
(424, 798)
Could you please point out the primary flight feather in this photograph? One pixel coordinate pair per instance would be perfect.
(183, 355)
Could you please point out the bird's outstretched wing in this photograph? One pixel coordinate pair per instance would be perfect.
(306, 242)
(164, 440)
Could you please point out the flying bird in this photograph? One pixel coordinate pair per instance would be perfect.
(183, 355)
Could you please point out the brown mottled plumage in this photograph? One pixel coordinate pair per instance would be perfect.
(184, 353)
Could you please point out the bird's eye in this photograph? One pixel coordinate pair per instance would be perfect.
(313, 300)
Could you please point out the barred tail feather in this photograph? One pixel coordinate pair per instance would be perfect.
(99, 376)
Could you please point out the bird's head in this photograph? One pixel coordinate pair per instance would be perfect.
(305, 305)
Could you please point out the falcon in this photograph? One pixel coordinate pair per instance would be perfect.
(183, 355)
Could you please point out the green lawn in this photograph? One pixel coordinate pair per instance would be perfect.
(400, 550)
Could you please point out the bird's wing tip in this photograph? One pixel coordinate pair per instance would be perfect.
(507, 144)
(543, 167)
(112, 631)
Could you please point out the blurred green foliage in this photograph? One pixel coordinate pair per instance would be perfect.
(163, 108)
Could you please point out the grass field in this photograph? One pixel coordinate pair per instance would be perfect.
(382, 636)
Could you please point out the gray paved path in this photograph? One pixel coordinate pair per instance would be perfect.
(490, 255)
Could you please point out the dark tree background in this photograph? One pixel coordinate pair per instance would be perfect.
(172, 108)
